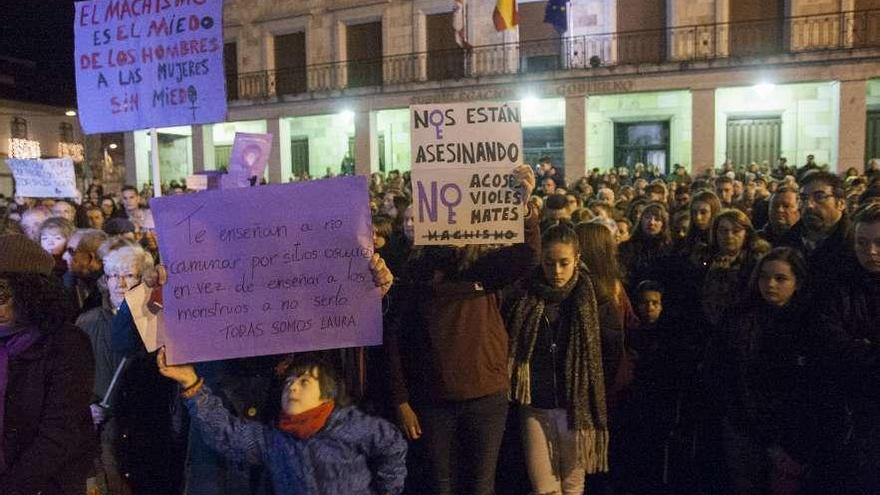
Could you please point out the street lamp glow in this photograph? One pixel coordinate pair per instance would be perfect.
(529, 104)
(70, 113)
(764, 89)
(113, 146)
(347, 115)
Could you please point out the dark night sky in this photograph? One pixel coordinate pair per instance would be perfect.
(41, 31)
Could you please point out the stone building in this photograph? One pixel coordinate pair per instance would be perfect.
(694, 82)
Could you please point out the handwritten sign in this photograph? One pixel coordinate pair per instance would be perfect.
(143, 64)
(463, 156)
(267, 270)
(53, 178)
(248, 159)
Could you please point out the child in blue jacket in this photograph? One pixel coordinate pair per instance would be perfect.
(318, 446)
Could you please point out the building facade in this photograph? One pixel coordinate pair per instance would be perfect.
(693, 82)
(31, 130)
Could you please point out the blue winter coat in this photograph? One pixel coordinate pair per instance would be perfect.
(336, 460)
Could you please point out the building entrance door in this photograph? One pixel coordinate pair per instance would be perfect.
(753, 139)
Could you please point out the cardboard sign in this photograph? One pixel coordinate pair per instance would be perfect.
(148, 64)
(463, 156)
(53, 178)
(267, 270)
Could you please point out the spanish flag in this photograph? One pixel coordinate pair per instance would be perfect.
(505, 15)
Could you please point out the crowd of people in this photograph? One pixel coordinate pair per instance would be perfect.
(655, 334)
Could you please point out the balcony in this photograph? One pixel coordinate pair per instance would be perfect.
(792, 35)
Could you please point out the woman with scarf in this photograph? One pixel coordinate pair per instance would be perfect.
(773, 389)
(556, 370)
(734, 249)
(46, 375)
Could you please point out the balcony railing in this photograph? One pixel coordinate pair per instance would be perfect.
(843, 30)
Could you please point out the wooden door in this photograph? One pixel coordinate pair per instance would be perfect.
(230, 68)
(290, 64)
(299, 156)
(641, 32)
(756, 27)
(445, 57)
(753, 139)
(540, 46)
(364, 48)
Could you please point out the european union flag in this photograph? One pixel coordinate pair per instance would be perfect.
(556, 14)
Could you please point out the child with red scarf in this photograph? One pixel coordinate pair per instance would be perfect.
(319, 444)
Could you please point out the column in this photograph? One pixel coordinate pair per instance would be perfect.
(131, 168)
(702, 130)
(366, 151)
(198, 149)
(276, 175)
(575, 138)
(851, 125)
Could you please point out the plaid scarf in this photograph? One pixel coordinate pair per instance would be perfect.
(585, 385)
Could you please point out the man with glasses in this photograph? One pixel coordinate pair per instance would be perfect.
(822, 232)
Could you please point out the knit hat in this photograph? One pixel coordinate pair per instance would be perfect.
(19, 254)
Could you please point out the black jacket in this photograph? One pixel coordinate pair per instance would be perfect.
(48, 437)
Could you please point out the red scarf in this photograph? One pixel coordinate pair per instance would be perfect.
(306, 423)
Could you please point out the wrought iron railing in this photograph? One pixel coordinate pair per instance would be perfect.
(843, 30)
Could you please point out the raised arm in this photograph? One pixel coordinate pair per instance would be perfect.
(239, 439)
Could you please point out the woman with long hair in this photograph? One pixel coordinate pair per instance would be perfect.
(649, 243)
(772, 389)
(598, 250)
(704, 207)
(556, 368)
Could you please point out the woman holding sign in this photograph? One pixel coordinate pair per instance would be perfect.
(447, 348)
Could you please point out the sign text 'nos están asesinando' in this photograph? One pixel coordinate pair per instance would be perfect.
(464, 190)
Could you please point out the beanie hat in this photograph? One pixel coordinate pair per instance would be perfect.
(117, 226)
(19, 254)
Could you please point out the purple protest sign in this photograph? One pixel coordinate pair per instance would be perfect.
(267, 270)
(148, 64)
(248, 159)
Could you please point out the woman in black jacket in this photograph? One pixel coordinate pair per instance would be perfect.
(774, 395)
(46, 375)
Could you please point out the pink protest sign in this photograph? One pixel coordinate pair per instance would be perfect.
(267, 270)
(142, 64)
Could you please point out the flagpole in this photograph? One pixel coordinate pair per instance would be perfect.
(154, 161)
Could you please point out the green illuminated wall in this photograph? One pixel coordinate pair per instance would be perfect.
(394, 125)
(873, 97)
(328, 140)
(604, 111)
(808, 111)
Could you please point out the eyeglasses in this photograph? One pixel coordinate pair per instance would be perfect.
(816, 197)
(130, 279)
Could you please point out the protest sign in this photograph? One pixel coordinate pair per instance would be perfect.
(150, 324)
(248, 159)
(203, 181)
(463, 156)
(269, 269)
(148, 64)
(53, 178)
